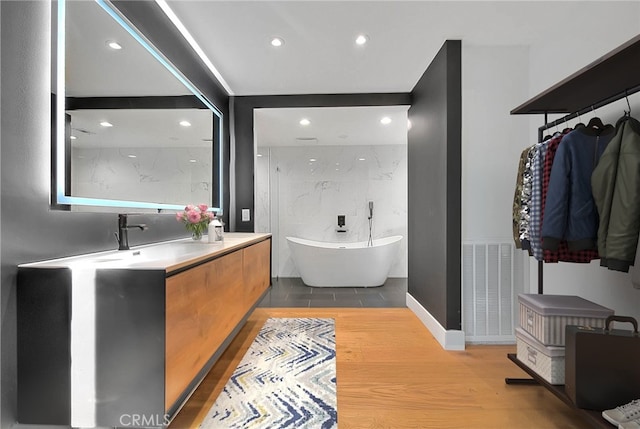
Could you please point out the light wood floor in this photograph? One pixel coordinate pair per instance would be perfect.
(391, 373)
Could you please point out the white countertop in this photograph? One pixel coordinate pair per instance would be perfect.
(168, 255)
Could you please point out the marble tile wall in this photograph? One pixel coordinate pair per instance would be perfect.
(163, 175)
(300, 191)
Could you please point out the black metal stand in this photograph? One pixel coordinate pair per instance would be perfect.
(521, 381)
(593, 417)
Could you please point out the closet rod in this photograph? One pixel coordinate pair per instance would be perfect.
(588, 109)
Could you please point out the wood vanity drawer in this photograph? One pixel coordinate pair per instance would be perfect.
(203, 306)
(257, 271)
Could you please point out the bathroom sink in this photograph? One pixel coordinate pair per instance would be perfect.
(129, 258)
(112, 260)
(99, 260)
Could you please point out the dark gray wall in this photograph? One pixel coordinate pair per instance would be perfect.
(29, 230)
(244, 139)
(434, 208)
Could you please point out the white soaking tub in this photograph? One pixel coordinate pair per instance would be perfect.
(324, 264)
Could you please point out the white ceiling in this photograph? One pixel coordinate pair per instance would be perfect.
(331, 126)
(320, 57)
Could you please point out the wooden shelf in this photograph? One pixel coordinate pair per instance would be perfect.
(594, 418)
(601, 82)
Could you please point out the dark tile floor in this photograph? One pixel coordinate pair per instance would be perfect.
(292, 292)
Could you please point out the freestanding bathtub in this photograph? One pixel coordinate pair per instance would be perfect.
(324, 264)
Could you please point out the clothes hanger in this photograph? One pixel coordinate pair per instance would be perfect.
(580, 124)
(550, 136)
(566, 128)
(595, 122)
(627, 113)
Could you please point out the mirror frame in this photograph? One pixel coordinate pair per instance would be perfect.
(61, 197)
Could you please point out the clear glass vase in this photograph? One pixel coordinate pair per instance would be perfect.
(196, 235)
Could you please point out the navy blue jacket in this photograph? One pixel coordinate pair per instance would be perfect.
(570, 212)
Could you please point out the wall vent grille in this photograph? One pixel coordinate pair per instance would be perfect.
(492, 278)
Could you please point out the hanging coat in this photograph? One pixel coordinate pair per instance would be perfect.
(570, 212)
(615, 185)
(522, 199)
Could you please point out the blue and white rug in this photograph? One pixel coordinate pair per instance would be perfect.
(287, 379)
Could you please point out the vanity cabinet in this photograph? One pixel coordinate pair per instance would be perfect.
(127, 345)
(203, 306)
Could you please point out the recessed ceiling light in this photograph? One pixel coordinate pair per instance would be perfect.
(73, 137)
(362, 159)
(185, 123)
(312, 160)
(277, 42)
(132, 156)
(304, 122)
(259, 155)
(114, 45)
(362, 39)
(385, 121)
(192, 160)
(106, 124)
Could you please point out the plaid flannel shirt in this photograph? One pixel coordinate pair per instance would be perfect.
(535, 212)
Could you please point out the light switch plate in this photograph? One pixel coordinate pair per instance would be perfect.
(246, 217)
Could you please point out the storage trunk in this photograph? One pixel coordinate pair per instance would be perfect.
(545, 316)
(547, 361)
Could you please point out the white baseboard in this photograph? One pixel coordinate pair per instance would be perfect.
(448, 339)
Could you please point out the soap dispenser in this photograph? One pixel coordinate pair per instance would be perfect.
(216, 231)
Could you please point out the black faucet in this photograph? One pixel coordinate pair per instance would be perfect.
(123, 231)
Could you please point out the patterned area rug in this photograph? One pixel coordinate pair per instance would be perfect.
(287, 379)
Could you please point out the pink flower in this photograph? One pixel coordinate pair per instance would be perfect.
(179, 216)
(189, 208)
(203, 207)
(193, 216)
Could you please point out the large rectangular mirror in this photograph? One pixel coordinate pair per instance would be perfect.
(130, 130)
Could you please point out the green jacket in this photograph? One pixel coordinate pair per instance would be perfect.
(615, 184)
